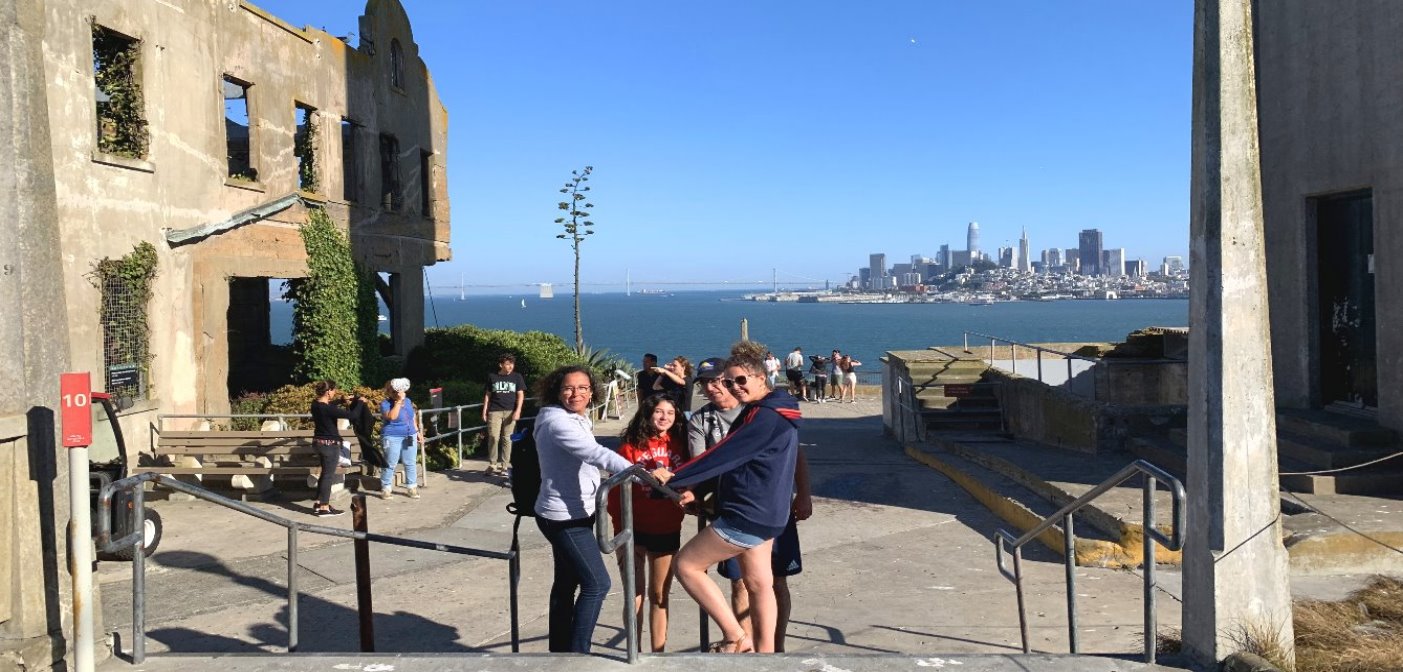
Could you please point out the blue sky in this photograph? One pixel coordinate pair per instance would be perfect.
(734, 137)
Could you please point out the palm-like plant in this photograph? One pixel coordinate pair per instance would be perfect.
(577, 225)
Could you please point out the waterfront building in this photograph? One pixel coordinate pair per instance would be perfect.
(1089, 251)
(972, 241)
(877, 269)
(864, 278)
(1114, 262)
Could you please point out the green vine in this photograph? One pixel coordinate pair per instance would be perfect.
(125, 285)
(331, 335)
(304, 146)
(121, 124)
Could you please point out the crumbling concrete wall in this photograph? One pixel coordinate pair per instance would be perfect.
(109, 204)
(1053, 416)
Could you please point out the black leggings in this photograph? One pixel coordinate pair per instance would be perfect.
(330, 454)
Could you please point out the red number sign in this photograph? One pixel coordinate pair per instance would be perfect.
(75, 397)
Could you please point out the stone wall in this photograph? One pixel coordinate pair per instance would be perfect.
(1055, 417)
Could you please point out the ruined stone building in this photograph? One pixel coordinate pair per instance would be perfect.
(206, 130)
(1332, 192)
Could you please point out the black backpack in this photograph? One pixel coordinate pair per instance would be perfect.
(526, 471)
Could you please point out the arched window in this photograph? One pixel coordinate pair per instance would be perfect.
(396, 65)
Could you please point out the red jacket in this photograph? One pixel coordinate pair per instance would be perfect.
(650, 515)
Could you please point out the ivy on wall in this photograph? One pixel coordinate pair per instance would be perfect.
(304, 147)
(125, 284)
(121, 122)
(331, 335)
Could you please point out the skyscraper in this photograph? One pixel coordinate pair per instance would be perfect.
(1115, 262)
(877, 269)
(944, 257)
(972, 241)
(1024, 263)
(1089, 251)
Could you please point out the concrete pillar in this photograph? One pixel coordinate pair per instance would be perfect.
(1236, 578)
(36, 603)
(407, 318)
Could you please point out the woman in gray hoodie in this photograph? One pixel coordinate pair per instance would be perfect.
(571, 459)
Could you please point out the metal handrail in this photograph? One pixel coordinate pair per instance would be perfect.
(135, 484)
(1004, 542)
(1013, 346)
(609, 543)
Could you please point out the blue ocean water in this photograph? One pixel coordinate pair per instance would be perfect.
(704, 323)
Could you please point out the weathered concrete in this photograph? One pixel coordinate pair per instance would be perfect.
(108, 204)
(1328, 97)
(1235, 568)
(35, 586)
(541, 662)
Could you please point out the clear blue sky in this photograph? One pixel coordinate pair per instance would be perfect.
(731, 137)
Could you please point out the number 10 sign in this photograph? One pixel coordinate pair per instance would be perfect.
(75, 396)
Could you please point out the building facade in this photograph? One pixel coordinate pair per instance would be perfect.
(1089, 251)
(241, 125)
(1332, 189)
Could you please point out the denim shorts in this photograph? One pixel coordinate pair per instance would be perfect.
(733, 536)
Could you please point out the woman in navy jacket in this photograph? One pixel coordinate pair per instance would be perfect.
(753, 469)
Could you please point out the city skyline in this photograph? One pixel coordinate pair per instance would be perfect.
(807, 133)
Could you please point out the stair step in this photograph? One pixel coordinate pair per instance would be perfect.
(1334, 428)
(1325, 454)
(1384, 479)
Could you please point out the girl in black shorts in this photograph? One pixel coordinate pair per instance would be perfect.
(655, 438)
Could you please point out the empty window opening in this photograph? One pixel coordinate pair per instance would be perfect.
(396, 65)
(390, 196)
(350, 177)
(121, 117)
(426, 183)
(237, 140)
(304, 146)
(259, 324)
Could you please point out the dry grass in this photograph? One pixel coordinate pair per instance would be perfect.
(1361, 633)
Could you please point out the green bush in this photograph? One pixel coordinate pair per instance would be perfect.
(334, 319)
(469, 353)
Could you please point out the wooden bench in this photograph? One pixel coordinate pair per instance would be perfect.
(242, 453)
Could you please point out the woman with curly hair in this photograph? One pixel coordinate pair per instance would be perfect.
(753, 468)
(655, 439)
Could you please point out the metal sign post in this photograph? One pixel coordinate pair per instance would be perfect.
(76, 416)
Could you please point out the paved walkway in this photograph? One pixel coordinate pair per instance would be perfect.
(897, 559)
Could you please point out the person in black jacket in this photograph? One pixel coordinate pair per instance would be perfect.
(326, 438)
(753, 469)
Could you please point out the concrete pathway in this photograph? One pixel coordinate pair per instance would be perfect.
(898, 560)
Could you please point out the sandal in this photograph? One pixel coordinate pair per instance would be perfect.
(734, 645)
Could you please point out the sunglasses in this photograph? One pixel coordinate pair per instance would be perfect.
(731, 383)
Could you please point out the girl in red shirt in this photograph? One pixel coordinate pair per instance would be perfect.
(655, 438)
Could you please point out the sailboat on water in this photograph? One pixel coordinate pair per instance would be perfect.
(523, 303)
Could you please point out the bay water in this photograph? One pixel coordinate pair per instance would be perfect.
(700, 324)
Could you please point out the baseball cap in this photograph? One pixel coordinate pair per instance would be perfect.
(710, 368)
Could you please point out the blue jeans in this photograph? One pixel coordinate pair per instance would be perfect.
(578, 564)
(399, 448)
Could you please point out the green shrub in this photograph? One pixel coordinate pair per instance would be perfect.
(334, 319)
(469, 353)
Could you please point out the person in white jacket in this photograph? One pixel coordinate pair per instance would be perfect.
(571, 460)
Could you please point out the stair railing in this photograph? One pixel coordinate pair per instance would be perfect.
(609, 543)
(1013, 346)
(1005, 542)
(136, 486)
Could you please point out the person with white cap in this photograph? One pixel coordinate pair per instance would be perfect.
(399, 436)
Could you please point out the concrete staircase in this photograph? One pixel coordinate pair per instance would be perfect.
(1308, 441)
(952, 393)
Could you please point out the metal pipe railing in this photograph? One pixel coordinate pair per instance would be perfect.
(1069, 357)
(1005, 542)
(609, 543)
(136, 485)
